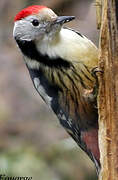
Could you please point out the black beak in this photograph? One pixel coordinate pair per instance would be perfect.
(64, 19)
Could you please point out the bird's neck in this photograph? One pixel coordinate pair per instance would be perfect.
(70, 46)
(56, 66)
(58, 57)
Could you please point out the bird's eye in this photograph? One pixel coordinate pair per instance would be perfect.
(35, 22)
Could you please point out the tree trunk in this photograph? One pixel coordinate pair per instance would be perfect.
(108, 91)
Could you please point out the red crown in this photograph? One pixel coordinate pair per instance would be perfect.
(28, 11)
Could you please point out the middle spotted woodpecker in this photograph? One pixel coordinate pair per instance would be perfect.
(60, 61)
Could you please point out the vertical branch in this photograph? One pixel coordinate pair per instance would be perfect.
(98, 12)
(108, 92)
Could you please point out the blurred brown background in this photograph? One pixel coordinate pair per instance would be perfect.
(32, 142)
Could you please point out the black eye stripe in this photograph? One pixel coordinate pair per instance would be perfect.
(35, 22)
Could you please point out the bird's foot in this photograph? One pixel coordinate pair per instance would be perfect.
(94, 73)
(96, 70)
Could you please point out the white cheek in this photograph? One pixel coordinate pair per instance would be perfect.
(42, 91)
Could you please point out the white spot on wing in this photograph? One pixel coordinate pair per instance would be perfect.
(32, 63)
(42, 91)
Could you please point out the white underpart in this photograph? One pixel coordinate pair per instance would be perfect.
(42, 91)
(69, 45)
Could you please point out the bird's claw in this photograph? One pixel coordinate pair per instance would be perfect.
(96, 70)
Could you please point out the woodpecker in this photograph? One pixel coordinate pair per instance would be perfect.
(60, 61)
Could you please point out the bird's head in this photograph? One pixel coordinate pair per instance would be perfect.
(37, 23)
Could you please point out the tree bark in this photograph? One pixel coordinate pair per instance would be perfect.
(108, 91)
(98, 12)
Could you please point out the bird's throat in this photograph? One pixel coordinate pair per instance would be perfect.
(32, 55)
